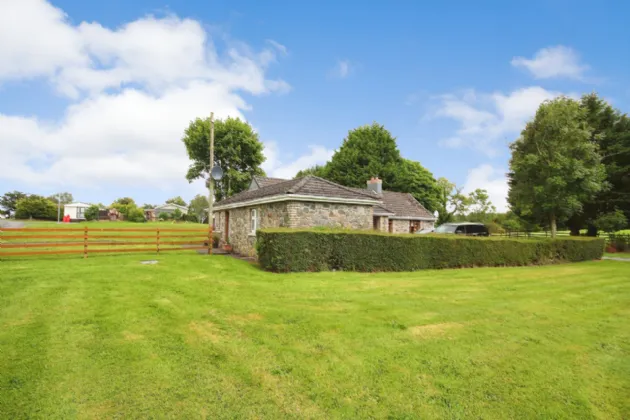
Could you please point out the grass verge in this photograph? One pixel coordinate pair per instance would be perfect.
(213, 337)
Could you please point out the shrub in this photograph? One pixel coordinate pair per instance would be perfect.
(372, 251)
(164, 216)
(620, 242)
(91, 213)
(611, 222)
(135, 214)
(494, 228)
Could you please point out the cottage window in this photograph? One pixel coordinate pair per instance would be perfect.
(254, 221)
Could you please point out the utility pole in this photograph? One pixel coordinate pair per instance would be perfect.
(58, 207)
(210, 179)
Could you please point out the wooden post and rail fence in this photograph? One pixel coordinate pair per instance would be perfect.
(91, 240)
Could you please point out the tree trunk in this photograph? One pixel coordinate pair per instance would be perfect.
(591, 231)
(552, 221)
(575, 231)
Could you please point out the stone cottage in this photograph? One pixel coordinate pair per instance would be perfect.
(312, 201)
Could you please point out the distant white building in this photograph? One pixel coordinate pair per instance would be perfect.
(76, 211)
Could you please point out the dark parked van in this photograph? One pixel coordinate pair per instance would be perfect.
(464, 228)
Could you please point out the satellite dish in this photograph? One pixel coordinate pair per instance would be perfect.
(216, 173)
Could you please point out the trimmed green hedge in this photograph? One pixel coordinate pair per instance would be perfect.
(284, 250)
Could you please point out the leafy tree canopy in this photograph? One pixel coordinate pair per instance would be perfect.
(612, 222)
(555, 167)
(198, 207)
(411, 177)
(450, 201)
(177, 200)
(8, 202)
(64, 198)
(367, 151)
(35, 207)
(237, 150)
(611, 133)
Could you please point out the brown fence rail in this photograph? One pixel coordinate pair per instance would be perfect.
(24, 239)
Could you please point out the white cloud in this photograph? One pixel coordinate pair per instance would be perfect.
(342, 69)
(553, 62)
(133, 90)
(491, 179)
(486, 119)
(276, 165)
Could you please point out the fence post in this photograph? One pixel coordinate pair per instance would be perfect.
(85, 242)
(158, 240)
(210, 240)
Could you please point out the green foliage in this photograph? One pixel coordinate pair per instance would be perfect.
(177, 200)
(555, 167)
(237, 150)
(620, 242)
(372, 251)
(480, 209)
(135, 214)
(611, 222)
(177, 214)
(367, 151)
(198, 207)
(413, 178)
(35, 207)
(125, 201)
(164, 216)
(147, 206)
(450, 201)
(611, 133)
(494, 228)
(317, 170)
(8, 202)
(91, 213)
(64, 197)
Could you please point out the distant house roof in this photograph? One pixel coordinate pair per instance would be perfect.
(171, 206)
(77, 204)
(308, 188)
(263, 181)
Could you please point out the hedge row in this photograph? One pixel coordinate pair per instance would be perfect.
(284, 250)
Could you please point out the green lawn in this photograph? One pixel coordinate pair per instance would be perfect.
(213, 337)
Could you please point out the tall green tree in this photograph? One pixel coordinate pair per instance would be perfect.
(177, 200)
(480, 208)
(367, 151)
(35, 207)
(237, 150)
(555, 167)
(450, 201)
(413, 178)
(611, 133)
(199, 207)
(8, 202)
(63, 197)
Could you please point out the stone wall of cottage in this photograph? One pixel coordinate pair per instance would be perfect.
(400, 226)
(240, 235)
(313, 214)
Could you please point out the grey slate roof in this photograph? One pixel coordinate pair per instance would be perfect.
(264, 181)
(393, 204)
(399, 204)
(404, 205)
(309, 185)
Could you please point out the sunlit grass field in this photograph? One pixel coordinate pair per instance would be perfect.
(213, 337)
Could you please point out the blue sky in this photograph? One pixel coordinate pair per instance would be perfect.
(94, 96)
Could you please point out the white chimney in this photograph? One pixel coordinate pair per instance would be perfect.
(375, 185)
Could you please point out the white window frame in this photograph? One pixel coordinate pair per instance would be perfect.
(253, 221)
